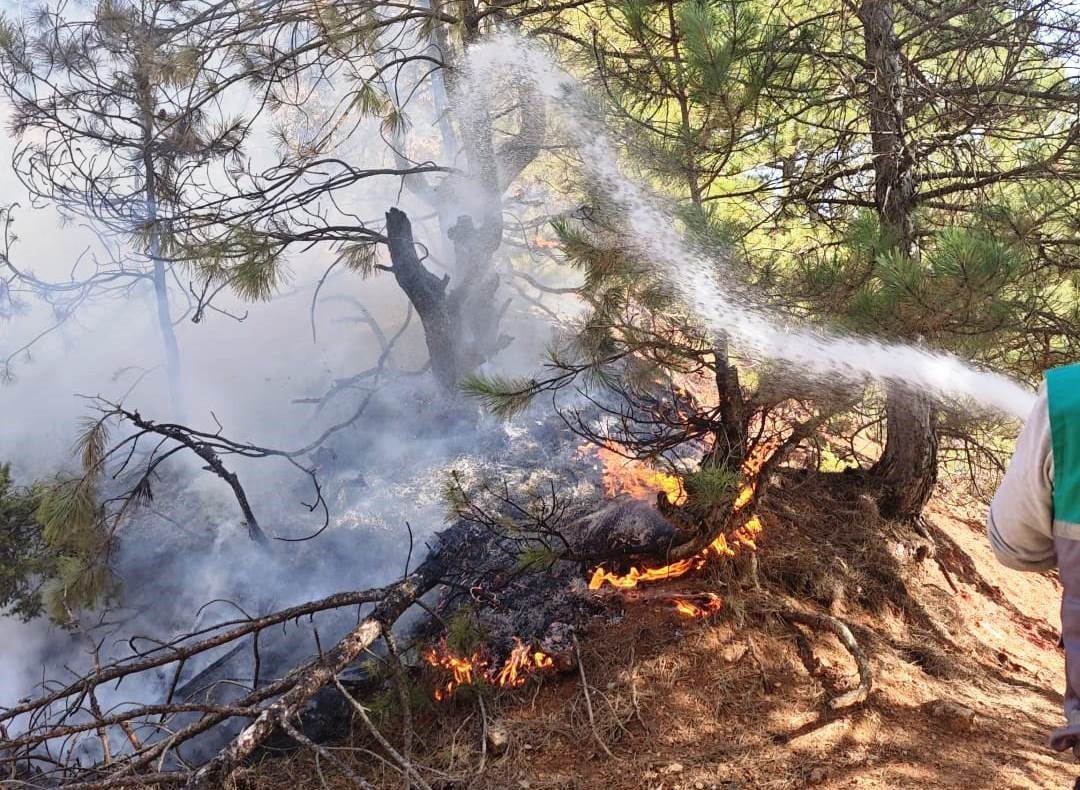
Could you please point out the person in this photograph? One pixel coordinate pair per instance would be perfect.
(1034, 518)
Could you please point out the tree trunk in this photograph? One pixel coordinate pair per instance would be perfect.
(907, 469)
(168, 334)
(474, 298)
(427, 293)
(729, 436)
(159, 273)
(906, 473)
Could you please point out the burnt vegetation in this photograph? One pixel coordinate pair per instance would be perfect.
(902, 170)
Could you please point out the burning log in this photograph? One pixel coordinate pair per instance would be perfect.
(694, 554)
(486, 570)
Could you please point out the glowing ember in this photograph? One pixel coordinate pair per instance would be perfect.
(466, 670)
(710, 604)
(635, 478)
(744, 537)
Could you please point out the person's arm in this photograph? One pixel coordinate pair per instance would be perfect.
(1021, 519)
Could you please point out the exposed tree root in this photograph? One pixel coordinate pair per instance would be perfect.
(842, 632)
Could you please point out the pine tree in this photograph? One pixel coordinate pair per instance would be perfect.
(684, 80)
(116, 122)
(902, 170)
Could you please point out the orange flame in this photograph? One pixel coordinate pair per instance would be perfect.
(521, 662)
(463, 669)
(626, 476)
(687, 608)
(744, 537)
(466, 670)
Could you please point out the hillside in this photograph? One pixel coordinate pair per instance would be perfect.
(725, 702)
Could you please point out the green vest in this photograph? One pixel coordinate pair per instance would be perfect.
(1063, 399)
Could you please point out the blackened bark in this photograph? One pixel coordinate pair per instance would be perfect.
(729, 447)
(906, 473)
(213, 464)
(427, 293)
(461, 325)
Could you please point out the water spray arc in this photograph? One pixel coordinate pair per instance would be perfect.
(698, 274)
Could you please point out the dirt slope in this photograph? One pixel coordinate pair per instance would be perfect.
(727, 703)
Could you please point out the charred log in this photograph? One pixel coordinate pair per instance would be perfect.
(321, 672)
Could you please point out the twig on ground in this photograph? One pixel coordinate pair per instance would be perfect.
(588, 699)
(326, 754)
(407, 766)
(483, 734)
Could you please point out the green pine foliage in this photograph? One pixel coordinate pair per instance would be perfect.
(25, 560)
(710, 489)
(464, 634)
(502, 396)
(53, 547)
(74, 534)
(967, 288)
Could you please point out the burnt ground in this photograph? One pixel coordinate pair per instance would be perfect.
(727, 702)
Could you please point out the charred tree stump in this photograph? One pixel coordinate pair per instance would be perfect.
(427, 293)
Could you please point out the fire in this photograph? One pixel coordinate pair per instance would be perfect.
(744, 537)
(624, 476)
(712, 603)
(466, 670)
(463, 669)
(632, 578)
(521, 662)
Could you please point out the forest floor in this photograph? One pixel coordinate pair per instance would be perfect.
(727, 703)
